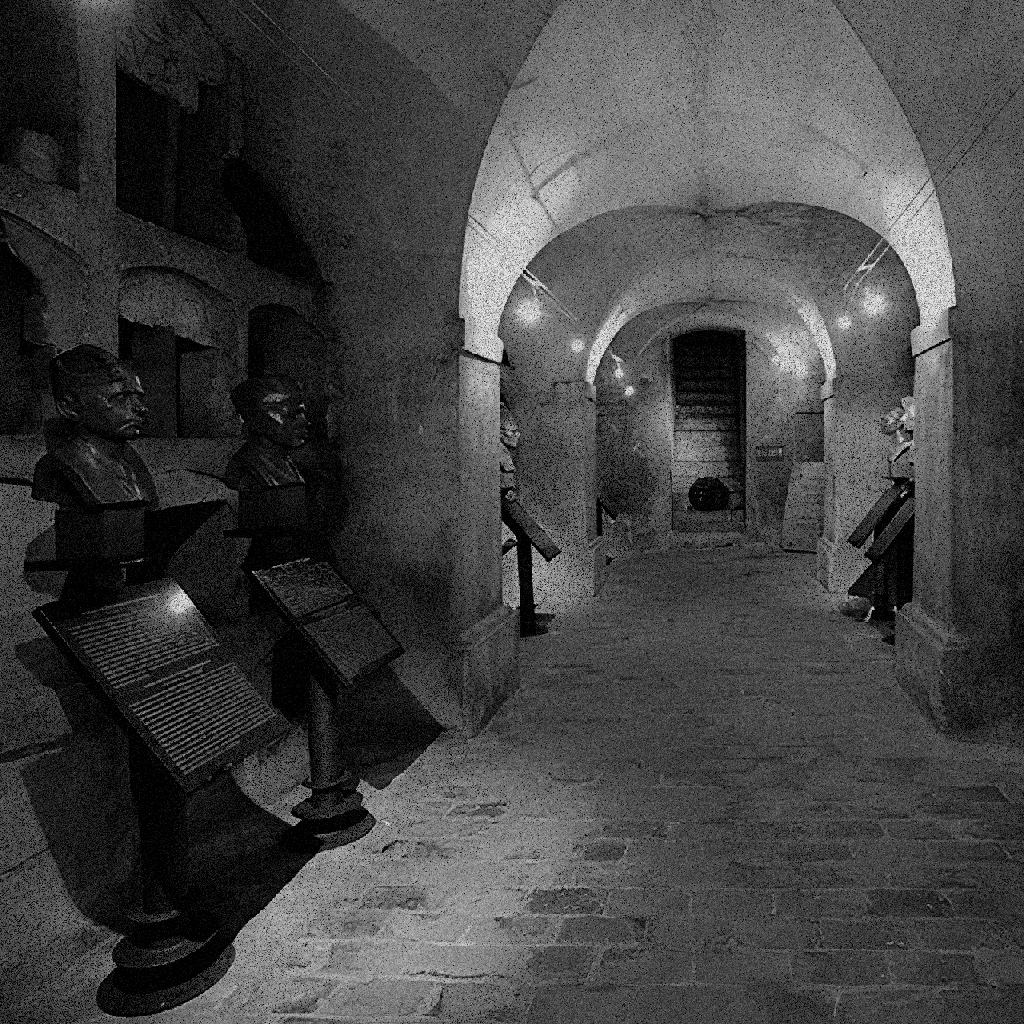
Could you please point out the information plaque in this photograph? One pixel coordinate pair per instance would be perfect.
(517, 518)
(153, 655)
(345, 635)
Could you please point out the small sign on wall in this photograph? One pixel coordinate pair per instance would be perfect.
(769, 453)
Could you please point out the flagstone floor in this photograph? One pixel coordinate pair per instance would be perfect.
(709, 802)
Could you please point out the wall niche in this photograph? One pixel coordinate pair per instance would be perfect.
(39, 90)
(170, 161)
(180, 335)
(24, 385)
(175, 374)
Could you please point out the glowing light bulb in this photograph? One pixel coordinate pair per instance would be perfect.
(630, 391)
(874, 303)
(619, 372)
(577, 345)
(844, 321)
(529, 310)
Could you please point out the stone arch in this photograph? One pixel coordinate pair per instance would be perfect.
(604, 133)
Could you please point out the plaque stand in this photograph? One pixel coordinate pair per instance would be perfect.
(529, 534)
(888, 582)
(335, 803)
(172, 951)
(170, 954)
(277, 521)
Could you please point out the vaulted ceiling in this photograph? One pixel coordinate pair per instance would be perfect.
(699, 107)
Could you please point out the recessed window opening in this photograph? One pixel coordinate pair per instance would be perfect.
(23, 348)
(170, 161)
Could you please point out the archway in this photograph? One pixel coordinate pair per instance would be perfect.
(594, 124)
(775, 270)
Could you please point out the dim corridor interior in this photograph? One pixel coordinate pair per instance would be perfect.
(708, 802)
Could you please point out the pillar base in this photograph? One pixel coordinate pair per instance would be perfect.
(488, 667)
(934, 664)
(165, 963)
(322, 810)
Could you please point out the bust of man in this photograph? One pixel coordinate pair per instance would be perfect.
(275, 419)
(510, 442)
(90, 462)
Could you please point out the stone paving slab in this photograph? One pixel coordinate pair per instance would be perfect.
(709, 802)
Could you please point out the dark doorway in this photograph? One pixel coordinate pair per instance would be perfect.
(709, 436)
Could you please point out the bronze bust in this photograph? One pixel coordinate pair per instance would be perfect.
(274, 413)
(510, 442)
(90, 462)
(100, 484)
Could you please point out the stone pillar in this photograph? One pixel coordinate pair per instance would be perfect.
(932, 658)
(97, 26)
(855, 465)
(558, 482)
(488, 644)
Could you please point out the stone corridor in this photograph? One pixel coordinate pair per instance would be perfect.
(709, 802)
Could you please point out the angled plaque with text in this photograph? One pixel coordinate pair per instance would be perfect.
(154, 657)
(347, 638)
(518, 519)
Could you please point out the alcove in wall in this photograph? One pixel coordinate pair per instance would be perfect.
(270, 239)
(24, 385)
(709, 428)
(170, 160)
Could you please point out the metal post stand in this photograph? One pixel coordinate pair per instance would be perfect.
(335, 802)
(527, 607)
(172, 952)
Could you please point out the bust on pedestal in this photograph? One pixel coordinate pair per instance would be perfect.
(102, 489)
(100, 484)
(272, 509)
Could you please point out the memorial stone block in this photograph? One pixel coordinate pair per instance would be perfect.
(279, 510)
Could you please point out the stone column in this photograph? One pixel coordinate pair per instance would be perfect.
(488, 644)
(855, 461)
(932, 658)
(558, 483)
(97, 58)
